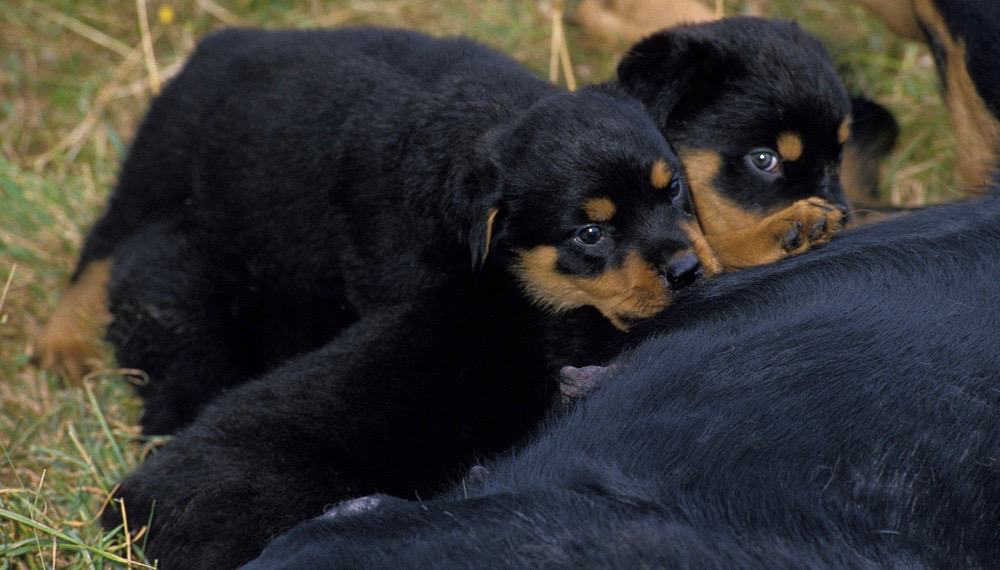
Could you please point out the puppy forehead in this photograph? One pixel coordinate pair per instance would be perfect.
(625, 194)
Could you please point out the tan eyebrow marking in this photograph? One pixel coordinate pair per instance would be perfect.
(790, 146)
(599, 209)
(660, 175)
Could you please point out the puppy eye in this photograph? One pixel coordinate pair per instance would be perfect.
(765, 160)
(589, 235)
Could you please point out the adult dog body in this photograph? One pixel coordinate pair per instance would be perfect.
(834, 410)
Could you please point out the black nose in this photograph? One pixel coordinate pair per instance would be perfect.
(682, 270)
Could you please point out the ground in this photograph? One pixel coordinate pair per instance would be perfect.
(74, 78)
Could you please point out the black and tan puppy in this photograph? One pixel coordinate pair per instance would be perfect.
(432, 193)
(759, 118)
(837, 410)
(873, 131)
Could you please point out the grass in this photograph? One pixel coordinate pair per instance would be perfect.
(74, 79)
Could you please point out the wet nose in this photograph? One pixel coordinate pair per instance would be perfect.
(682, 270)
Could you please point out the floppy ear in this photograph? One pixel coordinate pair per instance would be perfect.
(671, 67)
(484, 203)
(481, 238)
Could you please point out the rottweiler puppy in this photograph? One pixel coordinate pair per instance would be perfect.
(275, 180)
(837, 410)
(874, 129)
(962, 36)
(759, 118)
(450, 199)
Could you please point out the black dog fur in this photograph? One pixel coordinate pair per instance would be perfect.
(835, 410)
(433, 190)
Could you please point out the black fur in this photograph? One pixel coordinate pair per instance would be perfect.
(341, 175)
(835, 410)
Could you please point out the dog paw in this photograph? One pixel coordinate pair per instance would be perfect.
(806, 224)
(70, 342)
(67, 346)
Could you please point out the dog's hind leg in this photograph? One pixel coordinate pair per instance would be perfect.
(169, 308)
(155, 186)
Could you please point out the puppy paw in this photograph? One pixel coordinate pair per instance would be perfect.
(807, 223)
(67, 346)
(70, 342)
(794, 230)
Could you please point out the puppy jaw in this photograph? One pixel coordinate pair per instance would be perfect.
(632, 291)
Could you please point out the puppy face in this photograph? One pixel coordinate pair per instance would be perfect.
(594, 210)
(754, 109)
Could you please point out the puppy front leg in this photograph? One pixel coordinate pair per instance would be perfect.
(368, 413)
(794, 230)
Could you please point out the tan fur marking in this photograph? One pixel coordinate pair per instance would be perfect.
(599, 209)
(490, 218)
(844, 130)
(660, 175)
(70, 338)
(976, 128)
(716, 213)
(790, 146)
(632, 291)
(763, 243)
(735, 238)
(710, 263)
